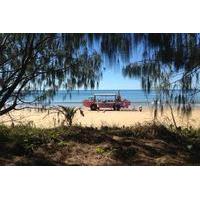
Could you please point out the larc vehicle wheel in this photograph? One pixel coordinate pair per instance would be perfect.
(118, 107)
(93, 107)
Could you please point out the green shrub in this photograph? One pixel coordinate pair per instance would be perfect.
(100, 150)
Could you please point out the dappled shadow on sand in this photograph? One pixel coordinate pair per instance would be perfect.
(140, 145)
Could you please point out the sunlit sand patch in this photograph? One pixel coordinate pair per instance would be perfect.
(99, 118)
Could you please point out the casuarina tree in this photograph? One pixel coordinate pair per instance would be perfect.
(43, 63)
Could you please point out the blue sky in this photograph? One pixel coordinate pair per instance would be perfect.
(113, 79)
(112, 76)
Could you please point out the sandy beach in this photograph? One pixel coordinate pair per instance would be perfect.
(98, 118)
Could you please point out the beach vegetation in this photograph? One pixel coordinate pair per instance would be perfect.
(65, 114)
(142, 144)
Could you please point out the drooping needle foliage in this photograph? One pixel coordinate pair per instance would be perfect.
(49, 62)
(44, 62)
(170, 64)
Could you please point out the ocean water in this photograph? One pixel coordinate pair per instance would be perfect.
(76, 97)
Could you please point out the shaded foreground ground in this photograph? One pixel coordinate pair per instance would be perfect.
(139, 145)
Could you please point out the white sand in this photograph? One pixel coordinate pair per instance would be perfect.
(99, 118)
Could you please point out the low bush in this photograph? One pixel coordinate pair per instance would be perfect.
(123, 145)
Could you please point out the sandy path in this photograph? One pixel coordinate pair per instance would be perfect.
(99, 118)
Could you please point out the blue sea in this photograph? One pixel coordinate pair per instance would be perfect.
(76, 97)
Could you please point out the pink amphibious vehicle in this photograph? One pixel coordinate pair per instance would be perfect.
(112, 101)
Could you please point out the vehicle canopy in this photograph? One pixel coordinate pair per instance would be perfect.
(107, 96)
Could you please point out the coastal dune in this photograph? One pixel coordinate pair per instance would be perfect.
(98, 118)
